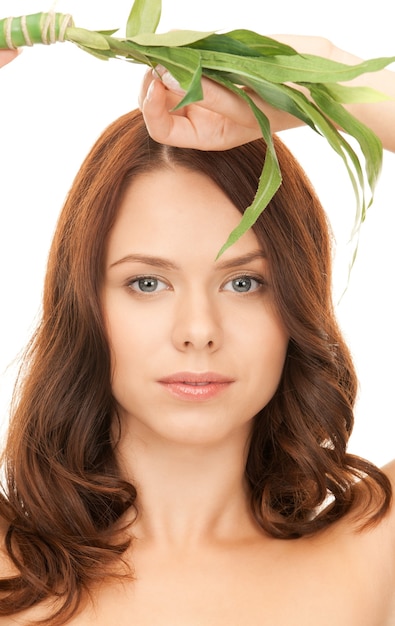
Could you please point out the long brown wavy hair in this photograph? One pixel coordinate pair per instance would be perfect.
(63, 490)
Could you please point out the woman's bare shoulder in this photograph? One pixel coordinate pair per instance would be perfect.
(389, 519)
(362, 533)
(389, 471)
(364, 500)
(372, 537)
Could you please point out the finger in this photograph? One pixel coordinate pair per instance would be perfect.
(204, 125)
(164, 125)
(217, 99)
(6, 56)
(147, 80)
(192, 126)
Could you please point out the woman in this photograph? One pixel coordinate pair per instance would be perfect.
(177, 453)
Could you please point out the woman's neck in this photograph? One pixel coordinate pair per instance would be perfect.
(188, 495)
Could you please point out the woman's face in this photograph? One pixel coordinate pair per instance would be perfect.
(197, 345)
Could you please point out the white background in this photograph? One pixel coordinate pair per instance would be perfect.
(55, 101)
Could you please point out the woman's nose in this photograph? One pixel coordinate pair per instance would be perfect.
(197, 323)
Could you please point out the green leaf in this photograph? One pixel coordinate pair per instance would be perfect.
(102, 55)
(341, 147)
(108, 33)
(184, 60)
(277, 95)
(370, 145)
(223, 43)
(348, 94)
(183, 63)
(270, 178)
(144, 17)
(87, 38)
(261, 45)
(242, 43)
(194, 90)
(125, 48)
(174, 38)
(293, 68)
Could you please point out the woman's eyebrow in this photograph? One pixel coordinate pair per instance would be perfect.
(241, 260)
(156, 261)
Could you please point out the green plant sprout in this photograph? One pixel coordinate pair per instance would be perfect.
(236, 59)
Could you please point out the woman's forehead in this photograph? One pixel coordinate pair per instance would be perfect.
(176, 208)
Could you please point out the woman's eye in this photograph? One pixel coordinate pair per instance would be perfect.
(243, 284)
(147, 284)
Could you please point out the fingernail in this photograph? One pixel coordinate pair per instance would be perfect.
(169, 80)
(150, 91)
(172, 84)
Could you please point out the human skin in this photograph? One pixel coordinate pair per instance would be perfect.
(197, 555)
(222, 120)
(195, 318)
(202, 561)
(187, 457)
(6, 56)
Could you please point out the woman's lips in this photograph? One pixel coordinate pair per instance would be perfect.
(196, 386)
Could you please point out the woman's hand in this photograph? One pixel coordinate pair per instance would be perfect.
(7, 55)
(220, 121)
(223, 120)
